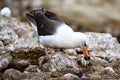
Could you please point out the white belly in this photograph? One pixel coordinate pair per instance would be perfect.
(72, 40)
(65, 37)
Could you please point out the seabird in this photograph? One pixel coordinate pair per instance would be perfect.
(54, 33)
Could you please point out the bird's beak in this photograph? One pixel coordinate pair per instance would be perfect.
(86, 54)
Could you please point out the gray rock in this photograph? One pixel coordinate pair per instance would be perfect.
(5, 59)
(70, 76)
(98, 69)
(17, 35)
(19, 64)
(84, 77)
(31, 68)
(12, 74)
(95, 76)
(7, 35)
(31, 76)
(1, 47)
(57, 62)
(103, 45)
(109, 70)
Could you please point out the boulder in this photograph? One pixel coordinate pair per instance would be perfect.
(5, 59)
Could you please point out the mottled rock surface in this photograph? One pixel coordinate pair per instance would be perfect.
(17, 35)
(103, 45)
(5, 59)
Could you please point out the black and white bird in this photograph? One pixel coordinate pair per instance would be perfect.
(54, 33)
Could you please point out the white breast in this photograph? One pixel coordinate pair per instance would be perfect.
(64, 38)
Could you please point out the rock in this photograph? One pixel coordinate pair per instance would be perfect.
(70, 51)
(60, 60)
(17, 35)
(5, 59)
(20, 65)
(109, 70)
(12, 74)
(32, 68)
(104, 44)
(1, 47)
(98, 69)
(32, 76)
(94, 76)
(85, 62)
(70, 76)
(57, 62)
(84, 77)
(100, 62)
(27, 36)
(7, 35)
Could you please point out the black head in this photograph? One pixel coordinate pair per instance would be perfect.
(52, 16)
(46, 21)
(34, 14)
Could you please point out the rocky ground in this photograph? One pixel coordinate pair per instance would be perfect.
(23, 58)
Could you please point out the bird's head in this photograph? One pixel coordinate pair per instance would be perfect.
(44, 22)
(34, 16)
(85, 51)
(83, 45)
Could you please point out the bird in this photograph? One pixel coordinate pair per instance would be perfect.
(53, 32)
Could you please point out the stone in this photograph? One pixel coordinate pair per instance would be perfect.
(17, 35)
(98, 69)
(94, 76)
(57, 62)
(1, 47)
(70, 76)
(11, 74)
(19, 64)
(109, 70)
(84, 77)
(7, 35)
(31, 68)
(5, 59)
(70, 51)
(103, 45)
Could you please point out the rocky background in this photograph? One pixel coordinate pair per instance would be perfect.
(23, 58)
